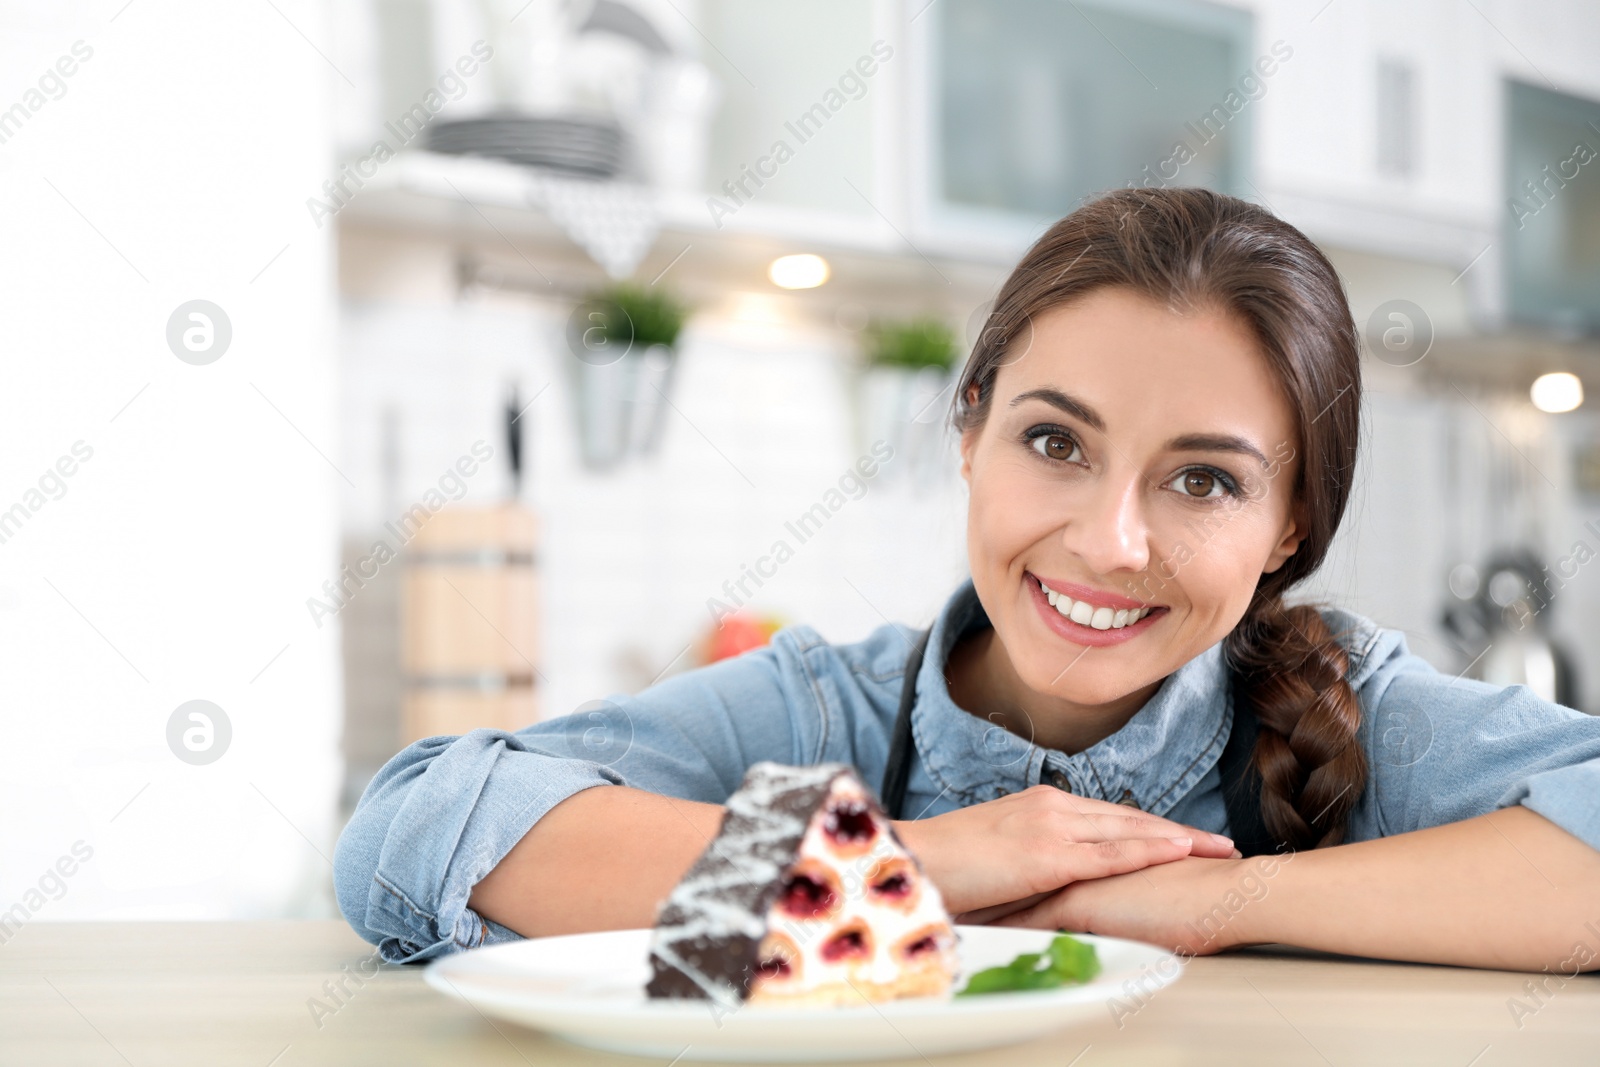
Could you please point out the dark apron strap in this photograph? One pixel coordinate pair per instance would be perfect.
(897, 772)
(1241, 786)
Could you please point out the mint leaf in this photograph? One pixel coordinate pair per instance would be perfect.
(1073, 960)
(1065, 961)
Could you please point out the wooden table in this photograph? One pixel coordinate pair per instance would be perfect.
(217, 994)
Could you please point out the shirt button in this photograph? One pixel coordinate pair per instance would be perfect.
(1060, 781)
(1127, 798)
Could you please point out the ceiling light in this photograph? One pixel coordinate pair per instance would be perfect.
(1556, 392)
(798, 272)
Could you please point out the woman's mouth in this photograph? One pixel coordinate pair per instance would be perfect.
(1088, 623)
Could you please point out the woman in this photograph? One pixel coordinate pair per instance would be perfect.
(1158, 432)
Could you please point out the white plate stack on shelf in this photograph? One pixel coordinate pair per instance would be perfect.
(586, 146)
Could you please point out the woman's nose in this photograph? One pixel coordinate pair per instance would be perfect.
(1107, 529)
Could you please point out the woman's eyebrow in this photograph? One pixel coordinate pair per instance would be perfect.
(1189, 442)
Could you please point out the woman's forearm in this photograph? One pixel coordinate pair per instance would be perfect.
(602, 859)
(1509, 889)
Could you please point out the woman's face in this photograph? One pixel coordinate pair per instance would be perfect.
(1133, 457)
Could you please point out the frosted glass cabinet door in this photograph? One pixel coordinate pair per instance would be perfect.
(800, 80)
(1038, 103)
(1552, 222)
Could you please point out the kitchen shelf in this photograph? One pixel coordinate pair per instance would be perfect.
(489, 205)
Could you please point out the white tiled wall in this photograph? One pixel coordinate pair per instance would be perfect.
(630, 558)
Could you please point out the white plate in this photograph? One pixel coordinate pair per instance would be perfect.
(589, 989)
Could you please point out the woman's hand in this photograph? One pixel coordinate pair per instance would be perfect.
(1009, 853)
(1194, 907)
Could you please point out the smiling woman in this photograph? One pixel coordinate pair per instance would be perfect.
(1187, 312)
(1158, 432)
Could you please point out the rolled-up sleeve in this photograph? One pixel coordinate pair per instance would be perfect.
(434, 821)
(1447, 748)
(444, 811)
(1567, 796)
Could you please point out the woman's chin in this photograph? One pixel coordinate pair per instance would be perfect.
(1084, 683)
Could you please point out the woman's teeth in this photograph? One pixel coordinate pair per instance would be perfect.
(1086, 614)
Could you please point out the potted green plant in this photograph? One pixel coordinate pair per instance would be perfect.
(623, 338)
(904, 392)
(914, 344)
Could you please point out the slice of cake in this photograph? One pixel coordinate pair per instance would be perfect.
(806, 896)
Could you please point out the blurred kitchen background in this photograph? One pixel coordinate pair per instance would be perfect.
(541, 337)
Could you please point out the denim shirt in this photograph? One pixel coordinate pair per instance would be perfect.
(445, 810)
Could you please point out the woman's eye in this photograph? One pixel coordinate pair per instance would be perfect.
(1201, 484)
(1054, 446)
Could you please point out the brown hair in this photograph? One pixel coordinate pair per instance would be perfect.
(1192, 248)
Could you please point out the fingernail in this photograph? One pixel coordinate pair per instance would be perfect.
(1186, 841)
(1237, 855)
(1222, 840)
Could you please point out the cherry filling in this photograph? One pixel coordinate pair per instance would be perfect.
(849, 822)
(806, 898)
(774, 967)
(846, 945)
(921, 945)
(893, 887)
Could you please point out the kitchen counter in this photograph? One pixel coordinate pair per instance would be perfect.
(253, 993)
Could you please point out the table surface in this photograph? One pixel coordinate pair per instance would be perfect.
(222, 993)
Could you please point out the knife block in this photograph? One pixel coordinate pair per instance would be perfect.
(469, 622)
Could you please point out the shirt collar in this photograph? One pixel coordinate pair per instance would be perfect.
(1153, 761)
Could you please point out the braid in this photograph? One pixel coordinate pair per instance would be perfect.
(1293, 675)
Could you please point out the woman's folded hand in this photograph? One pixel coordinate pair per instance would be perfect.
(1194, 908)
(1003, 855)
